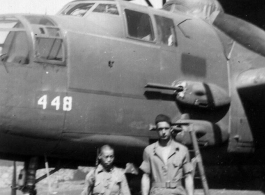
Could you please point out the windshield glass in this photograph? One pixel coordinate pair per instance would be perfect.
(107, 8)
(41, 20)
(77, 9)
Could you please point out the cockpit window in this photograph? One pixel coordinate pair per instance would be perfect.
(166, 31)
(14, 46)
(139, 25)
(77, 9)
(49, 49)
(49, 45)
(49, 42)
(10, 22)
(107, 8)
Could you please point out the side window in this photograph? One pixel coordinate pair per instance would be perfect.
(49, 48)
(107, 8)
(139, 25)
(77, 10)
(49, 42)
(18, 48)
(49, 45)
(14, 46)
(166, 31)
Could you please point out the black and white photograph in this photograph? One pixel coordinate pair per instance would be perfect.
(132, 97)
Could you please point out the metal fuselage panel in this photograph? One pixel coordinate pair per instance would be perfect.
(21, 116)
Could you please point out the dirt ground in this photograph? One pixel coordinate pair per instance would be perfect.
(222, 181)
(76, 190)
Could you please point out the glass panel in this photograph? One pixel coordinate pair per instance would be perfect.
(41, 20)
(10, 22)
(14, 47)
(49, 48)
(166, 31)
(77, 9)
(139, 25)
(107, 8)
(55, 32)
(46, 31)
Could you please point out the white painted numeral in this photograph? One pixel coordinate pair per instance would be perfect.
(43, 101)
(56, 102)
(67, 103)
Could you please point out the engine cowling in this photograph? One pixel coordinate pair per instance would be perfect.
(202, 101)
(208, 133)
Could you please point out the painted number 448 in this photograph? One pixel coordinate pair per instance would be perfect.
(65, 104)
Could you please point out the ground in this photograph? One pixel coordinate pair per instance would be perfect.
(224, 181)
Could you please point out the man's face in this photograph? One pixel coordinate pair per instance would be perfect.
(107, 157)
(164, 130)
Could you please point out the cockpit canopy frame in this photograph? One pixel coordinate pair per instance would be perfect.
(22, 36)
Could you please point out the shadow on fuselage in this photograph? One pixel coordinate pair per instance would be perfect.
(234, 177)
(253, 102)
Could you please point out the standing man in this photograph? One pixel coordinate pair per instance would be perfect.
(165, 163)
(106, 179)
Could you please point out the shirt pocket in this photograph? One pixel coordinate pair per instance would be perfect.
(96, 183)
(117, 181)
(116, 185)
(177, 162)
(116, 178)
(97, 188)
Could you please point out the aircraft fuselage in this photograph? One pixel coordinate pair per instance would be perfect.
(75, 81)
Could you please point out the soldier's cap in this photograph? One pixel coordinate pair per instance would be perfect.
(163, 118)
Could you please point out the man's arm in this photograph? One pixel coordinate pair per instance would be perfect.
(145, 183)
(189, 184)
(89, 183)
(188, 169)
(124, 186)
(146, 168)
(86, 190)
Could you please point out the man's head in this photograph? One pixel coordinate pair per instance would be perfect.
(106, 156)
(163, 126)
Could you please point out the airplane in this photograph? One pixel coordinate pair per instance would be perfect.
(99, 72)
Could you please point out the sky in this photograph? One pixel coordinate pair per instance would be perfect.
(49, 7)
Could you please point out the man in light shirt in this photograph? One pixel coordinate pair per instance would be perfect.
(106, 179)
(166, 163)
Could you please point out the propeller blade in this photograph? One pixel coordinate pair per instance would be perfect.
(14, 180)
(149, 3)
(241, 31)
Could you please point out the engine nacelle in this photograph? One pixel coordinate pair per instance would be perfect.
(202, 101)
(208, 134)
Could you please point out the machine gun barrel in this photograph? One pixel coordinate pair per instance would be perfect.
(165, 87)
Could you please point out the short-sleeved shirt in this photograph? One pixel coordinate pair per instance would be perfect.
(178, 163)
(106, 183)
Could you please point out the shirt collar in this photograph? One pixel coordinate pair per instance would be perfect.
(101, 169)
(174, 148)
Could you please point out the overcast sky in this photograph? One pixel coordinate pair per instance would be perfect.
(49, 7)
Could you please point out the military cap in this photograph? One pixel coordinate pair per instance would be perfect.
(162, 118)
